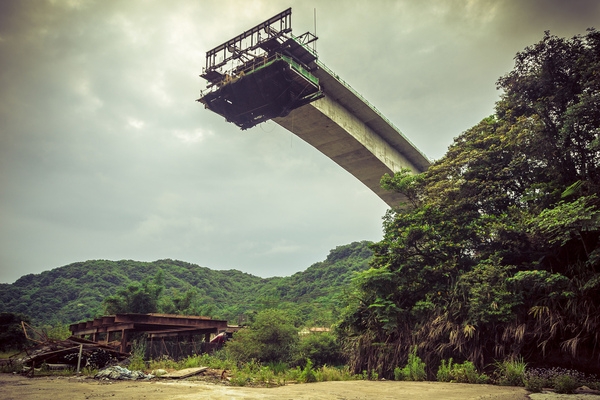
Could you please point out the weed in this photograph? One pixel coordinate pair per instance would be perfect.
(565, 384)
(444, 373)
(414, 369)
(461, 373)
(511, 372)
(308, 373)
(265, 376)
(138, 353)
(327, 374)
(11, 366)
(240, 378)
(278, 368)
(163, 362)
(534, 384)
(559, 379)
(467, 373)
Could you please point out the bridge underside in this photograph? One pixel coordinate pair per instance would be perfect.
(280, 78)
(346, 128)
(329, 133)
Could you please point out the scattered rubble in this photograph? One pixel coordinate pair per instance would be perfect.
(120, 373)
(59, 354)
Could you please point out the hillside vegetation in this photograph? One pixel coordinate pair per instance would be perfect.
(496, 254)
(77, 291)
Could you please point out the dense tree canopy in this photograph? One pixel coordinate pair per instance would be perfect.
(496, 253)
(271, 338)
(85, 290)
(142, 298)
(12, 336)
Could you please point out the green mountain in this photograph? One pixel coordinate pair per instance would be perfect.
(76, 291)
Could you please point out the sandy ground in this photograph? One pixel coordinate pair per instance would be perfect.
(65, 388)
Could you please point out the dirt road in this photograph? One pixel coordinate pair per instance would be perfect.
(64, 388)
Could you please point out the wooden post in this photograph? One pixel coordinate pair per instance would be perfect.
(79, 359)
(123, 341)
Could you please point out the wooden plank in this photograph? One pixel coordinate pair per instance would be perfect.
(184, 373)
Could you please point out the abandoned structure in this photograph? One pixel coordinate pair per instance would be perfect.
(267, 73)
(162, 334)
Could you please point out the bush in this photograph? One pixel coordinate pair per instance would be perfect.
(444, 373)
(511, 372)
(308, 373)
(534, 384)
(272, 338)
(163, 362)
(560, 379)
(414, 369)
(138, 352)
(460, 373)
(327, 374)
(467, 373)
(322, 348)
(565, 384)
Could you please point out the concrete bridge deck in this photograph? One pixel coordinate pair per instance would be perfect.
(279, 77)
(354, 134)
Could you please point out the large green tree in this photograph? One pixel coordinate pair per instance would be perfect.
(141, 298)
(272, 337)
(496, 252)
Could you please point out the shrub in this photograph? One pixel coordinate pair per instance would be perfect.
(240, 378)
(322, 348)
(467, 373)
(327, 374)
(414, 369)
(164, 362)
(308, 373)
(138, 352)
(558, 378)
(534, 384)
(444, 373)
(266, 376)
(565, 384)
(511, 372)
(461, 373)
(272, 338)
(278, 368)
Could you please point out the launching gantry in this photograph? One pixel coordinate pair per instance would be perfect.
(268, 73)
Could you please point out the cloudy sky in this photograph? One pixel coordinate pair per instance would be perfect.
(104, 154)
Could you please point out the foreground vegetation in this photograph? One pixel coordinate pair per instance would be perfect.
(226, 367)
(496, 253)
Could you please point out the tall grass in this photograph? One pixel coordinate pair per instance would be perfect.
(511, 372)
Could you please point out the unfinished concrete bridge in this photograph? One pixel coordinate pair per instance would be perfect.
(268, 73)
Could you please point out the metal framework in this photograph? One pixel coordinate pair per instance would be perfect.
(120, 327)
(245, 44)
(262, 73)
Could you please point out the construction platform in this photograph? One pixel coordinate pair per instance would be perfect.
(268, 73)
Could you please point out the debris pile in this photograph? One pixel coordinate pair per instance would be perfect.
(66, 352)
(119, 373)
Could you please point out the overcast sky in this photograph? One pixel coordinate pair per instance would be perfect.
(104, 154)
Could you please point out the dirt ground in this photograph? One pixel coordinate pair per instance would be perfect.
(74, 388)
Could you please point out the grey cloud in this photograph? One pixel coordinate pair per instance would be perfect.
(105, 154)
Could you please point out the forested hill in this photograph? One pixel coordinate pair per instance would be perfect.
(76, 292)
